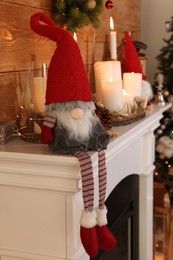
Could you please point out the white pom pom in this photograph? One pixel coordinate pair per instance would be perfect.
(147, 90)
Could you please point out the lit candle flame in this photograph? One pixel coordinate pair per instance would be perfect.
(75, 37)
(111, 23)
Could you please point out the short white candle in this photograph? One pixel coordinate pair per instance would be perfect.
(38, 94)
(113, 41)
(104, 70)
(112, 95)
(132, 83)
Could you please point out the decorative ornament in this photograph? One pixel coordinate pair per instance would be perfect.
(130, 113)
(166, 93)
(91, 4)
(109, 4)
(159, 99)
(66, 136)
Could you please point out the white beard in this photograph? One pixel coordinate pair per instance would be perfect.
(78, 129)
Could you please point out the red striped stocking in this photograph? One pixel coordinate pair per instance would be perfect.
(106, 240)
(94, 232)
(88, 218)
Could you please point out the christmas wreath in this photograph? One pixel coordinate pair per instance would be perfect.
(75, 14)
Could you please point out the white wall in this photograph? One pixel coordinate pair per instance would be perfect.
(154, 14)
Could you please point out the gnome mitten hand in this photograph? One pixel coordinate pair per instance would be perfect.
(106, 239)
(47, 129)
(88, 232)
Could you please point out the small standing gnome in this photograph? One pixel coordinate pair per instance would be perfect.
(132, 64)
(72, 127)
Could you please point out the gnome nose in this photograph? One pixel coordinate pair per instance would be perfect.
(77, 113)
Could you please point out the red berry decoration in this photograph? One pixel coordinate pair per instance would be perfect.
(109, 4)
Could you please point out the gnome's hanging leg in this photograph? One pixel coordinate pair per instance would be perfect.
(88, 218)
(106, 240)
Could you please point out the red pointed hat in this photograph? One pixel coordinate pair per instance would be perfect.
(131, 62)
(67, 79)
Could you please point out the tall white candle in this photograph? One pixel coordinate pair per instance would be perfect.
(112, 95)
(38, 94)
(75, 37)
(113, 40)
(104, 70)
(132, 83)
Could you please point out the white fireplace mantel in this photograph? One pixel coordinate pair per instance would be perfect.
(41, 200)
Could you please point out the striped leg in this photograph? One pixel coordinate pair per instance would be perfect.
(106, 240)
(88, 232)
(102, 176)
(87, 180)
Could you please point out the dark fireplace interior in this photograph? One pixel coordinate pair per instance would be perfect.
(123, 220)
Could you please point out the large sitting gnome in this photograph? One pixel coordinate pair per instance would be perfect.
(72, 127)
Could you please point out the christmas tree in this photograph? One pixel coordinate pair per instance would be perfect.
(165, 59)
(75, 14)
(164, 134)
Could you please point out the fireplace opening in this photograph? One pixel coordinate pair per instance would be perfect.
(123, 220)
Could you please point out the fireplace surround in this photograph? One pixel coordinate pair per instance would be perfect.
(41, 200)
(123, 220)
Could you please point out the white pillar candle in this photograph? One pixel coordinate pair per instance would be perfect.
(113, 41)
(112, 95)
(104, 70)
(38, 94)
(132, 83)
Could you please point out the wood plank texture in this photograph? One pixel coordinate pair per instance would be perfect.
(20, 46)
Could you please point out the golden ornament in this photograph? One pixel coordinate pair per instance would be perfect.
(91, 4)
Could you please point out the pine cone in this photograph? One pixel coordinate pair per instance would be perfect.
(104, 115)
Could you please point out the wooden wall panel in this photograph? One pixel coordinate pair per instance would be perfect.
(20, 46)
(42, 4)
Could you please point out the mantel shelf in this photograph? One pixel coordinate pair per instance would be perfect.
(40, 192)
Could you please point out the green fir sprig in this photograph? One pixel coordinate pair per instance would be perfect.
(76, 14)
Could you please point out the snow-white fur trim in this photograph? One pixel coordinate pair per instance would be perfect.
(147, 90)
(88, 219)
(101, 216)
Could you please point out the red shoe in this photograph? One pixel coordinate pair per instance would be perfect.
(89, 240)
(88, 232)
(106, 239)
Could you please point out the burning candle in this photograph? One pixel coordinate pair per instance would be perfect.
(132, 83)
(75, 37)
(113, 40)
(112, 94)
(104, 70)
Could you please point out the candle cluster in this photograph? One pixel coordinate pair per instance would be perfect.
(114, 89)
